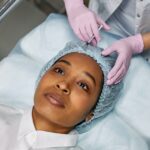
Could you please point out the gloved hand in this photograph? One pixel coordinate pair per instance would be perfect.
(125, 48)
(83, 21)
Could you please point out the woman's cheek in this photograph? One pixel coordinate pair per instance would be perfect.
(80, 100)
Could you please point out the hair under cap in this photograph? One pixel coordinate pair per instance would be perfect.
(109, 93)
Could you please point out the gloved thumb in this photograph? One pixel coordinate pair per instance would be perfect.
(107, 51)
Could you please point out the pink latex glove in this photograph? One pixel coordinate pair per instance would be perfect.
(125, 48)
(83, 21)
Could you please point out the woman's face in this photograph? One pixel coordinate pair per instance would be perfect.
(69, 90)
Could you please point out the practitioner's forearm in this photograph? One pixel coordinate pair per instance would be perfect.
(146, 40)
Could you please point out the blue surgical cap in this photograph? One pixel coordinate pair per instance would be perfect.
(109, 93)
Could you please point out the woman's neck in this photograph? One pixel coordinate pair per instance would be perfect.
(43, 124)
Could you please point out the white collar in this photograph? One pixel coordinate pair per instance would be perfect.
(43, 139)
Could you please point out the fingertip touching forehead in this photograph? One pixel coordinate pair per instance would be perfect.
(87, 56)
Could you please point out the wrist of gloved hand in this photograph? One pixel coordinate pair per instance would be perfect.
(138, 44)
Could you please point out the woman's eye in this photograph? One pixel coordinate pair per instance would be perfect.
(84, 86)
(59, 71)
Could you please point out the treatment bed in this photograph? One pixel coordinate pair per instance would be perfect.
(127, 127)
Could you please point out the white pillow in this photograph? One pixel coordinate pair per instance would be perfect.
(20, 69)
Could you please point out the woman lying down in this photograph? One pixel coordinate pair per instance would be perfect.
(70, 94)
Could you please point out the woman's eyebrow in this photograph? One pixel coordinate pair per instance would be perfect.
(64, 61)
(89, 75)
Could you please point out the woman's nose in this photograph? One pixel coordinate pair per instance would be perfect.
(64, 87)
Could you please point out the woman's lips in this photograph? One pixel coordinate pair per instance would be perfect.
(55, 99)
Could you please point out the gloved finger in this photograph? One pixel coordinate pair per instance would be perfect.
(89, 31)
(101, 21)
(95, 31)
(116, 67)
(84, 33)
(119, 80)
(117, 75)
(79, 35)
(93, 42)
(120, 77)
(108, 51)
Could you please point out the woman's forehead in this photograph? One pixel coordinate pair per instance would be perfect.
(80, 59)
(78, 56)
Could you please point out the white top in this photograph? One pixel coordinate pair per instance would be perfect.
(131, 17)
(18, 133)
